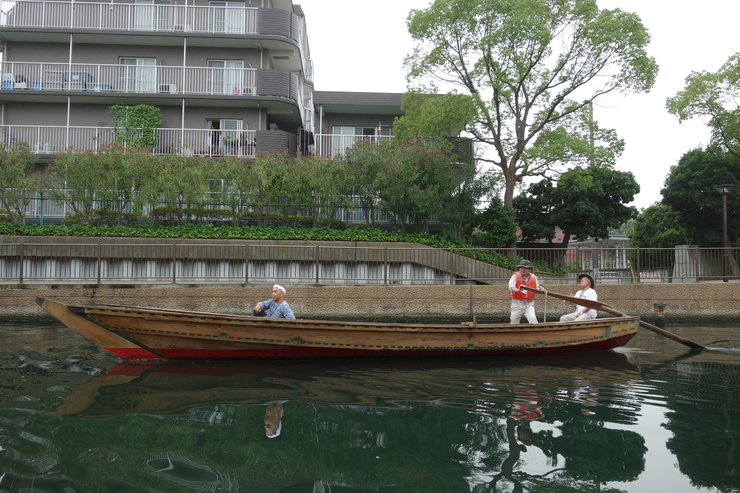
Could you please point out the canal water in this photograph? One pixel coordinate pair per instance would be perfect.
(653, 416)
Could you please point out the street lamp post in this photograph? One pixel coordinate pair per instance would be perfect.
(724, 190)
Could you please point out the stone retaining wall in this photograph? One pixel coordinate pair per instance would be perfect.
(705, 301)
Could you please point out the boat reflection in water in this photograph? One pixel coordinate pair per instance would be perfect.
(426, 425)
(174, 387)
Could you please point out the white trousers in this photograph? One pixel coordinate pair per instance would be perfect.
(573, 317)
(521, 307)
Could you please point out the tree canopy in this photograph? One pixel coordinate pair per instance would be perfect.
(690, 191)
(658, 226)
(532, 68)
(585, 203)
(716, 97)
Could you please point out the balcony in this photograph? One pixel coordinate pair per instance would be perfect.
(132, 17)
(50, 140)
(333, 144)
(81, 77)
(233, 26)
(336, 144)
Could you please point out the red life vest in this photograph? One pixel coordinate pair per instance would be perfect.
(524, 295)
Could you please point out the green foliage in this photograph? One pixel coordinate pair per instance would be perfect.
(136, 125)
(317, 185)
(714, 96)
(585, 203)
(74, 178)
(689, 191)
(531, 68)
(577, 141)
(238, 190)
(102, 217)
(19, 184)
(497, 223)
(270, 172)
(461, 210)
(5, 216)
(658, 226)
(410, 181)
(365, 163)
(434, 116)
(187, 185)
(208, 231)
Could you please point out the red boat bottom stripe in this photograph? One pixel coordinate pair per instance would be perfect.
(313, 352)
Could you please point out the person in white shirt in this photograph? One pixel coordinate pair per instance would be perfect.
(586, 292)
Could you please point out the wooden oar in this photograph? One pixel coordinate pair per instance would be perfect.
(597, 305)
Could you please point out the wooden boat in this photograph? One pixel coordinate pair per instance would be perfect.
(154, 333)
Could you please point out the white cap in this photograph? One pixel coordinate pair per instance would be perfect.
(278, 286)
(277, 432)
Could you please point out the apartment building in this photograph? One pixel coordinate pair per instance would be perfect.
(228, 77)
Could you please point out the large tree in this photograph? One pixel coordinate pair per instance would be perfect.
(690, 191)
(532, 69)
(714, 96)
(585, 203)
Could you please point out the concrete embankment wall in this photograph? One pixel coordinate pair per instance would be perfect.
(703, 302)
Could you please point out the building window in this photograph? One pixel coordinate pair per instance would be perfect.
(225, 76)
(138, 74)
(152, 15)
(344, 136)
(227, 135)
(227, 17)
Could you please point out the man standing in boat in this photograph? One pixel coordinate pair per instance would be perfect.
(277, 307)
(586, 292)
(522, 301)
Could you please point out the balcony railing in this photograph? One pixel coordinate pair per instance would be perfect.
(186, 141)
(333, 144)
(46, 139)
(129, 78)
(130, 17)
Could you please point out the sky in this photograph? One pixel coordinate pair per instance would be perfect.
(360, 46)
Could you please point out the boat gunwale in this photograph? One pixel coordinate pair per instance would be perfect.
(164, 315)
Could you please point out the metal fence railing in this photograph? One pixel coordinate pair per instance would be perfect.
(42, 209)
(130, 17)
(52, 139)
(108, 262)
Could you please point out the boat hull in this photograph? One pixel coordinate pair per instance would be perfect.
(149, 333)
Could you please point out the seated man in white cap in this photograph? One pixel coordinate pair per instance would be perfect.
(276, 307)
(586, 292)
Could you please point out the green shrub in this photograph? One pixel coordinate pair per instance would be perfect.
(5, 216)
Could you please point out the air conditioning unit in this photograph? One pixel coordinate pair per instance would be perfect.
(182, 27)
(170, 88)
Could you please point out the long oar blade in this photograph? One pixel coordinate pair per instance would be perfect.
(597, 305)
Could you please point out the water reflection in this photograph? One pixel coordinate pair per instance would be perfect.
(75, 418)
(472, 384)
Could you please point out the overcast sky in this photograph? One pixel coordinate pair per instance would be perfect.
(360, 46)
